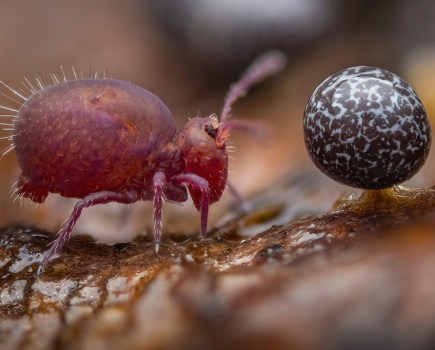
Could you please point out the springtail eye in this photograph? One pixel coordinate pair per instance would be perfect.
(209, 129)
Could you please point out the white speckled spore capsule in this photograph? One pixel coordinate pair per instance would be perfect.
(366, 127)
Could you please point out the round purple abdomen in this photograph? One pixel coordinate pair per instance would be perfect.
(366, 127)
(90, 135)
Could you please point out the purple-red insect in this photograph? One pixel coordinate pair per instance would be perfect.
(105, 140)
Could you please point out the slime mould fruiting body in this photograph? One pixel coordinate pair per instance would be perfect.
(365, 127)
(105, 140)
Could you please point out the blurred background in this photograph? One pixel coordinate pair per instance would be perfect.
(188, 52)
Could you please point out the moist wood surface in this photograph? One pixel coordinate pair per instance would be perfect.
(356, 276)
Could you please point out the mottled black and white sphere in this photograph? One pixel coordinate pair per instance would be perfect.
(366, 127)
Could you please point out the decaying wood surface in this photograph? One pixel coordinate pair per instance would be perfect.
(360, 276)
